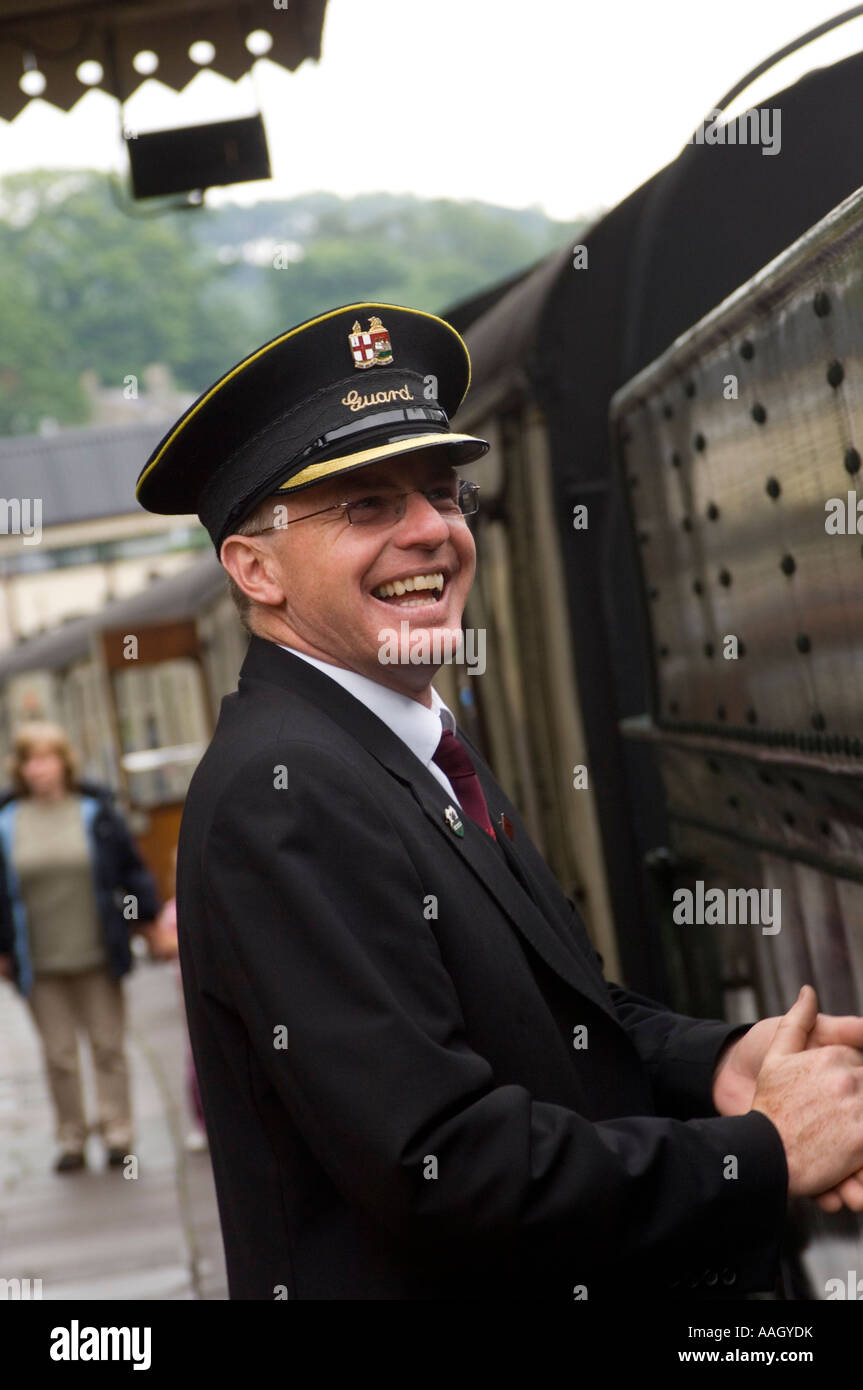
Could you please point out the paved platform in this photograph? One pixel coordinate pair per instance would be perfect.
(96, 1234)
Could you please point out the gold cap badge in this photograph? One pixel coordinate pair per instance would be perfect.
(372, 348)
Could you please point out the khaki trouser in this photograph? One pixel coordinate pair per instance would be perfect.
(91, 1000)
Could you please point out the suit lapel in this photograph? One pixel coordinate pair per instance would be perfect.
(504, 875)
(542, 886)
(514, 890)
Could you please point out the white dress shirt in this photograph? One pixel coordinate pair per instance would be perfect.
(415, 724)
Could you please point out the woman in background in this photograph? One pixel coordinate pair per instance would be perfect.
(72, 888)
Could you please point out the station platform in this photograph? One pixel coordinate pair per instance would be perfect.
(96, 1234)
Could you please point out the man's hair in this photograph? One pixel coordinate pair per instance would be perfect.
(249, 526)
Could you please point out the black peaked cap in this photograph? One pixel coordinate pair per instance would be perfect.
(354, 385)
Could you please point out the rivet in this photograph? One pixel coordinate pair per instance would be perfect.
(773, 487)
(708, 648)
(725, 578)
(852, 461)
(803, 643)
(787, 564)
(759, 414)
(689, 388)
(835, 374)
(713, 511)
(699, 442)
(821, 304)
(747, 351)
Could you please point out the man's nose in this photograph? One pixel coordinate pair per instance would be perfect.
(420, 516)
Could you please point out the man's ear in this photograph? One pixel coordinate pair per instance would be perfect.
(253, 568)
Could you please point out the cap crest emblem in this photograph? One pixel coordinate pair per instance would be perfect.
(371, 348)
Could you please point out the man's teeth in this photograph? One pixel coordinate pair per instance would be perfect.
(407, 586)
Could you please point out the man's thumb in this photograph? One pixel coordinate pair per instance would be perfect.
(793, 1032)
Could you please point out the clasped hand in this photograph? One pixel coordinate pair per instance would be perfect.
(736, 1078)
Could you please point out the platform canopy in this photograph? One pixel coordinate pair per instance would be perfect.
(121, 43)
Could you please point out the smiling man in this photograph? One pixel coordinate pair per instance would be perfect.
(416, 1081)
(351, 584)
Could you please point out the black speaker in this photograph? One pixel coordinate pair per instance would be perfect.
(198, 156)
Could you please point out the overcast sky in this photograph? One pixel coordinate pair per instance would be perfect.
(556, 103)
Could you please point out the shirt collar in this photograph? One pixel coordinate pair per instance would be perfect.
(416, 725)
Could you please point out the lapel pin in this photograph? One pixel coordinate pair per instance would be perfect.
(506, 826)
(454, 821)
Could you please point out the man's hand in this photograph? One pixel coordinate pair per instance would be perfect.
(780, 1040)
(845, 1029)
(740, 1062)
(161, 941)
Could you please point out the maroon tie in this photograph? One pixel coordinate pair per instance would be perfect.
(453, 759)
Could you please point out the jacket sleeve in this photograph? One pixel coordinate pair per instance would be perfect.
(317, 928)
(679, 1052)
(7, 929)
(133, 875)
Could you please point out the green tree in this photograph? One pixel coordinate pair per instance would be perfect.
(87, 286)
(35, 381)
(109, 292)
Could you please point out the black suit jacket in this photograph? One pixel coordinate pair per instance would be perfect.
(383, 1019)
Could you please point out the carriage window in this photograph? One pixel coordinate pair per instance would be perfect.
(163, 727)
